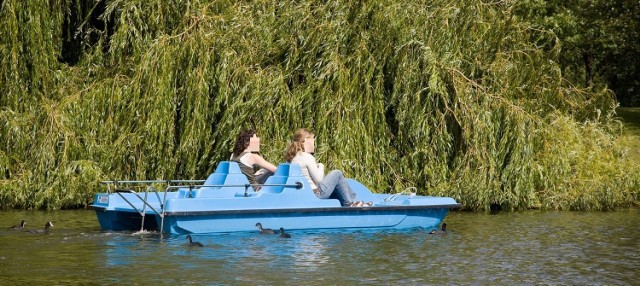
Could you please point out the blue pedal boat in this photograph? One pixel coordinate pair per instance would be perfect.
(226, 202)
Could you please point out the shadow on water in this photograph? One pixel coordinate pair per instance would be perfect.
(505, 248)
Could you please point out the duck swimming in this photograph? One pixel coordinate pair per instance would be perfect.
(264, 230)
(20, 226)
(284, 235)
(442, 231)
(45, 230)
(193, 243)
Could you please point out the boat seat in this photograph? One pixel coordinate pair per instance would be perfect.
(223, 169)
(285, 174)
(227, 173)
(273, 179)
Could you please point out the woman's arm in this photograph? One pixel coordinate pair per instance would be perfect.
(256, 159)
(316, 171)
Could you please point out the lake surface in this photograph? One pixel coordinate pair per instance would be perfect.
(532, 247)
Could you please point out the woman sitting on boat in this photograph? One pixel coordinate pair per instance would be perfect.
(246, 154)
(333, 185)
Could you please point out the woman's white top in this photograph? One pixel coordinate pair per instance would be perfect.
(313, 171)
(243, 159)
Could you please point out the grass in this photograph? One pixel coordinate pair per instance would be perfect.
(630, 117)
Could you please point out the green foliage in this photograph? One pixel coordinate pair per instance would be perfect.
(448, 97)
(600, 41)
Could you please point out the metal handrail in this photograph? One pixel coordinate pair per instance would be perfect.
(114, 183)
(406, 191)
(144, 201)
(297, 185)
(149, 181)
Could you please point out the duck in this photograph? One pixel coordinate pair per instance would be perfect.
(193, 243)
(20, 226)
(442, 231)
(284, 235)
(264, 230)
(45, 230)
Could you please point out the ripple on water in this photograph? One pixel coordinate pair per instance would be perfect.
(511, 248)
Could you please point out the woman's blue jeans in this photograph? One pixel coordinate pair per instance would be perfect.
(335, 186)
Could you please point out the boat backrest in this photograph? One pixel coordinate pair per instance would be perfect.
(215, 179)
(273, 179)
(227, 173)
(285, 174)
(223, 169)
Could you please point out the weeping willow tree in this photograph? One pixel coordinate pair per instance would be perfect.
(446, 97)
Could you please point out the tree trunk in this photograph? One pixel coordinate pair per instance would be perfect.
(588, 75)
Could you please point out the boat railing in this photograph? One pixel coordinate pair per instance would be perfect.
(297, 185)
(171, 187)
(115, 183)
(407, 191)
(145, 201)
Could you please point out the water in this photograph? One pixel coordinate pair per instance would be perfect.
(595, 248)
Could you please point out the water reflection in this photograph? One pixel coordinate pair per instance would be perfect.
(509, 248)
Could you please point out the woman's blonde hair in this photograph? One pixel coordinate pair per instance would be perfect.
(295, 145)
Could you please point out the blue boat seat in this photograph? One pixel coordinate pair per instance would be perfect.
(274, 180)
(285, 174)
(218, 177)
(227, 173)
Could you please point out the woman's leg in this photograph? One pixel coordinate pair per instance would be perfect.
(347, 194)
(335, 184)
